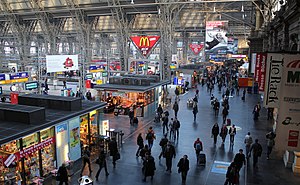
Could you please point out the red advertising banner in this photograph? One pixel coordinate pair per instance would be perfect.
(257, 67)
(27, 151)
(262, 74)
(293, 138)
(145, 43)
(196, 48)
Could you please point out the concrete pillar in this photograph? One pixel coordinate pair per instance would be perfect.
(185, 47)
(259, 17)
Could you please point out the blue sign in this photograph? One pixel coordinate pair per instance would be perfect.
(0, 90)
(18, 75)
(2, 77)
(220, 167)
(96, 67)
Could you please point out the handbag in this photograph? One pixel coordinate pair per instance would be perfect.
(118, 156)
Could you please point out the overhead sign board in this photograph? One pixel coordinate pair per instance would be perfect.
(31, 85)
(145, 43)
(58, 63)
(196, 48)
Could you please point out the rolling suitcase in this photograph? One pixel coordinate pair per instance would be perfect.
(202, 159)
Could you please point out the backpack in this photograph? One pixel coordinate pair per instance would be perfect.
(198, 146)
(177, 124)
(149, 135)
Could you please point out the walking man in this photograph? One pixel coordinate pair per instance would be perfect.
(175, 108)
(232, 132)
(86, 154)
(165, 120)
(176, 125)
(248, 142)
(150, 137)
(224, 132)
(215, 132)
(183, 168)
(256, 150)
(169, 153)
(163, 142)
(195, 110)
(140, 143)
(198, 146)
(224, 113)
(240, 159)
(270, 142)
(113, 150)
(102, 164)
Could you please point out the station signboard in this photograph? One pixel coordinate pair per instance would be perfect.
(58, 63)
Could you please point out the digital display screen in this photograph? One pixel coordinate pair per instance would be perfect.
(31, 85)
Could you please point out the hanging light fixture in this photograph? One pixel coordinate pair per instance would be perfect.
(214, 9)
(242, 10)
(132, 2)
(159, 11)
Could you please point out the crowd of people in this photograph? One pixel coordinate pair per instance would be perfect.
(226, 82)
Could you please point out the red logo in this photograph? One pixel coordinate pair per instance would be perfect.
(294, 64)
(196, 48)
(145, 43)
(68, 63)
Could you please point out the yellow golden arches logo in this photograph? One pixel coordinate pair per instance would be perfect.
(144, 41)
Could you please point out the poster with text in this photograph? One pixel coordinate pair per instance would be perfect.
(74, 142)
(289, 104)
(58, 63)
(216, 37)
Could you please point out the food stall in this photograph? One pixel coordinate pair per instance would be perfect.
(143, 98)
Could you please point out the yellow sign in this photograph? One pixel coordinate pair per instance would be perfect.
(99, 82)
(144, 41)
(14, 81)
(250, 82)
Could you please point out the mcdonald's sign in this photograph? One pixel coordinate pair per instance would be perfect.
(145, 43)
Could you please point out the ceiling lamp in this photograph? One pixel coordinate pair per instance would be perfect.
(242, 10)
(132, 2)
(214, 9)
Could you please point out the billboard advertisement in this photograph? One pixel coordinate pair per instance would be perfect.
(215, 38)
(58, 63)
(145, 43)
(288, 126)
(260, 70)
(273, 80)
(232, 45)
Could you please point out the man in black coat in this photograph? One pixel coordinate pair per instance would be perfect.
(169, 153)
(86, 154)
(215, 132)
(183, 167)
(148, 167)
(140, 143)
(62, 175)
(113, 149)
(240, 159)
(102, 164)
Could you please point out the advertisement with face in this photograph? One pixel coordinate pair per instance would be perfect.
(215, 39)
(74, 142)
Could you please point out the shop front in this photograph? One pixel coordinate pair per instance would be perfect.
(28, 158)
(121, 98)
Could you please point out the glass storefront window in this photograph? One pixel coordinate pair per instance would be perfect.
(48, 152)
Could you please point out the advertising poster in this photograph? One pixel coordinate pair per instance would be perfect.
(288, 126)
(232, 45)
(74, 142)
(215, 39)
(196, 48)
(262, 74)
(59, 63)
(62, 148)
(145, 44)
(257, 66)
(104, 127)
(274, 68)
(253, 62)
